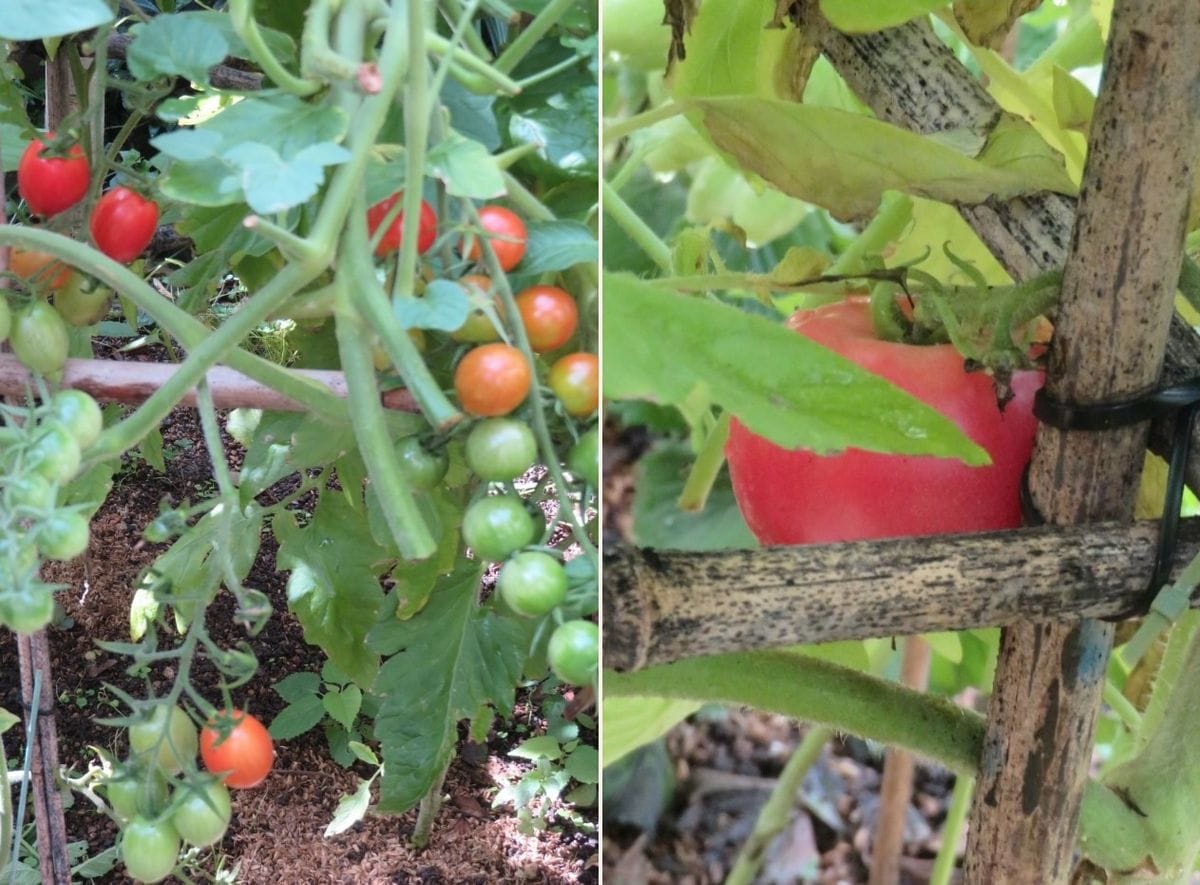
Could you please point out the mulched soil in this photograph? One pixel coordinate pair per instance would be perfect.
(277, 831)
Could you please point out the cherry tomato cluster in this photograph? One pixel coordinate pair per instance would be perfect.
(160, 798)
(40, 452)
(52, 179)
(492, 380)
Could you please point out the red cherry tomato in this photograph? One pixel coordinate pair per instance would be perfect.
(123, 223)
(492, 379)
(390, 241)
(797, 497)
(575, 380)
(247, 754)
(50, 185)
(549, 315)
(508, 242)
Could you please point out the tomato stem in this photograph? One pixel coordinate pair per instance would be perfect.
(956, 816)
(518, 49)
(646, 239)
(247, 29)
(706, 467)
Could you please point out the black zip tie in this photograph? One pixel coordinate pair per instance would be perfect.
(1182, 401)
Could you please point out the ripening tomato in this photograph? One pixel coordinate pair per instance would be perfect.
(169, 734)
(492, 379)
(508, 242)
(123, 223)
(39, 269)
(50, 185)
(245, 755)
(549, 315)
(390, 241)
(82, 301)
(797, 497)
(575, 380)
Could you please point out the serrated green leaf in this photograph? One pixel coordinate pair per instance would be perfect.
(303, 714)
(170, 45)
(364, 753)
(298, 686)
(333, 588)
(273, 184)
(151, 450)
(444, 664)
(857, 17)
(350, 810)
(665, 347)
(39, 19)
(444, 307)
(343, 705)
(541, 747)
(466, 168)
(850, 160)
(730, 50)
(557, 245)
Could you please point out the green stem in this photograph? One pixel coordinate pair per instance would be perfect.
(370, 429)
(416, 138)
(778, 809)
(620, 129)
(818, 691)
(638, 231)
(524, 201)
(707, 466)
(894, 215)
(565, 65)
(1120, 705)
(431, 804)
(475, 73)
(247, 29)
(454, 11)
(179, 324)
(956, 816)
(516, 51)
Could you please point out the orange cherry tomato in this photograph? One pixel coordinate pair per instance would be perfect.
(549, 315)
(245, 757)
(492, 379)
(575, 380)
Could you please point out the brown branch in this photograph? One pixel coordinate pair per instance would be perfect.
(220, 76)
(133, 382)
(664, 605)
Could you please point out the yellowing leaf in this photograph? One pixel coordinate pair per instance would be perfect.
(987, 22)
(1073, 102)
(861, 16)
(845, 161)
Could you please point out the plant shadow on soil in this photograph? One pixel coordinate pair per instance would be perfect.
(277, 831)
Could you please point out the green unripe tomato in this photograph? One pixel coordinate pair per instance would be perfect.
(63, 535)
(179, 739)
(532, 583)
(55, 454)
(500, 449)
(79, 414)
(30, 491)
(495, 527)
(135, 793)
(149, 849)
(584, 458)
(423, 469)
(574, 652)
(202, 815)
(82, 301)
(39, 338)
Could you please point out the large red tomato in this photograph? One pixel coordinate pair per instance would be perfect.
(123, 224)
(797, 497)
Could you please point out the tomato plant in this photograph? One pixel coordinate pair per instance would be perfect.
(39, 268)
(500, 449)
(52, 184)
(26, 609)
(549, 315)
(532, 583)
(390, 240)
(123, 223)
(496, 526)
(136, 793)
(243, 755)
(149, 849)
(424, 468)
(785, 495)
(509, 236)
(575, 380)
(81, 301)
(39, 338)
(492, 379)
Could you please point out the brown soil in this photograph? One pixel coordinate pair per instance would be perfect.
(277, 831)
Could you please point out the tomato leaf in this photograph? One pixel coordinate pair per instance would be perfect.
(628, 723)
(850, 160)
(856, 17)
(343, 704)
(669, 348)
(444, 307)
(334, 587)
(297, 687)
(466, 168)
(297, 718)
(169, 45)
(38, 19)
(350, 810)
(443, 665)
(557, 245)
